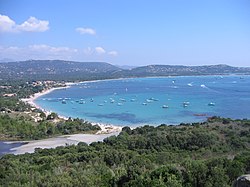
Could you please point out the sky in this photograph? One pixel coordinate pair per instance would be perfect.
(129, 32)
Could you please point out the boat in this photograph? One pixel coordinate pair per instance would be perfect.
(144, 104)
(132, 100)
(100, 104)
(149, 100)
(63, 102)
(211, 104)
(119, 104)
(164, 106)
(185, 104)
(91, 100)
(123, 100)
(153, 99)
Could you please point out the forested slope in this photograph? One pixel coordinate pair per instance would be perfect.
(213, 153)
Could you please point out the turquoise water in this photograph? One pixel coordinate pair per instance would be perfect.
(169, 100)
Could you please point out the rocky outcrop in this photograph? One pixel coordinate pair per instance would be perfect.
(242, 181)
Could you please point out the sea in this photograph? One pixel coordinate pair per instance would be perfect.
(152, 101)
(6, 148)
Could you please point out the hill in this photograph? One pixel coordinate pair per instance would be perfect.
(55, 70)
(213, 153)
(70, 70)
(167, 70)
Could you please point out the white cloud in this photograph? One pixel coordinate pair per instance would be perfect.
(34, 25)
(43, 51)
(100, 50)
(6, 24)
(86, 31)
(38, 52)
(113, 53)
(31, 25)
(50, 49)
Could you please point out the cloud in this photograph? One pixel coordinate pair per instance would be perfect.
(31, 25)
(86, 31)
(43, 51)
(113, 53)
(100, 50)
(34, 25)
(6, 24)
(52, 50)
(37, 52)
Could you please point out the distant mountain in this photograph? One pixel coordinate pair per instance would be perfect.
(56, 70)
(126, 67)
(167, 70)
(70, 70)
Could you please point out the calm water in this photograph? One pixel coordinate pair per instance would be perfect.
(6, 148)
(142, 100)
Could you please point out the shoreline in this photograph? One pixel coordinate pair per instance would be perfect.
(63, 140)
(105, 128)
(32, 98)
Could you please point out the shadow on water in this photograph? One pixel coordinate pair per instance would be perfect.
(5, 148)
(126, 117)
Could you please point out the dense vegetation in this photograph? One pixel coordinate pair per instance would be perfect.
(213, 153)
(19, 128)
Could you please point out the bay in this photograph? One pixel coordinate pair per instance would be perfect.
(154, 101)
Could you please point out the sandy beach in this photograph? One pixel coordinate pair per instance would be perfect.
(106, 130)
(59, 141)
(37, 95)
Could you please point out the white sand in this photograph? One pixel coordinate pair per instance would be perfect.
(37, 95)
(106, 130)
(59, 141)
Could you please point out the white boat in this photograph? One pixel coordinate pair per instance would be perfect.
(119, 104)
(123, 100)
(153, 99)
(185, 104)
(144, 104)
(149, 100)
(132, 100)
(63, 102)
(211, 104)
(164, 106)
